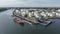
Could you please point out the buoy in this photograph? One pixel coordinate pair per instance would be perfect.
(18, 21)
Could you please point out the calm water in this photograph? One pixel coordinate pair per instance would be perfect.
(8, 26)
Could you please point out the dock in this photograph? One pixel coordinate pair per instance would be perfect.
(32, 21)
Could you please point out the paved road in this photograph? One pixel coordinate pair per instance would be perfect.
(8, 26)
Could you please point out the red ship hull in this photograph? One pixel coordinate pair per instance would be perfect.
(18, 21)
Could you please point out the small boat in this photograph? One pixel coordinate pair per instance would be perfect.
(18, 21)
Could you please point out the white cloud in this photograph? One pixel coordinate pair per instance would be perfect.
(29, 3)
(9, 3)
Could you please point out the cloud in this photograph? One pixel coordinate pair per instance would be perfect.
(10, 3)
(29, 3)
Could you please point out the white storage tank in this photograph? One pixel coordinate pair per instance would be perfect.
(58, 10)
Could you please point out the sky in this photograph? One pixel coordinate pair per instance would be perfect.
(29, 3)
